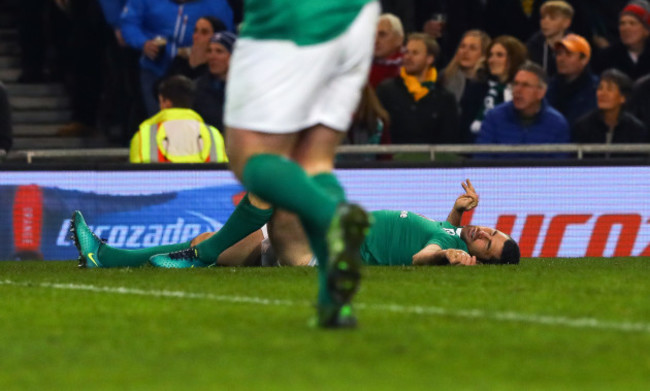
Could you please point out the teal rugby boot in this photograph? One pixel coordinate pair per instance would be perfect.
(182, 259)
(85, 240)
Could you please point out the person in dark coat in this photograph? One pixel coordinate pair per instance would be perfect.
(555, 19)
(192, 61)
(6, 134)
(518, 18)
(639, 103)
(610, 123)
(421, 111)
(632, 54)
(448, 21)
(572, 91)
(211, 87)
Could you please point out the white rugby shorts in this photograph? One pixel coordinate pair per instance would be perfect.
(277, 86)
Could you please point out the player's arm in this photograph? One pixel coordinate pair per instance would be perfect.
(464, 203)
(434, 255)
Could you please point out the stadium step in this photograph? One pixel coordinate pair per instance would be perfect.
(41, 116)
(7, 20)
(48, 89)
(9, 75)
(21, 143)
(31, 130)
(9, 48)
(39, 102)
(8, 34)
(9, 61)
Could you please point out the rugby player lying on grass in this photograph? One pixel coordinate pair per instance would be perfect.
(396, 238)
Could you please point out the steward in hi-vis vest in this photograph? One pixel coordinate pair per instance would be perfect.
(177, 136)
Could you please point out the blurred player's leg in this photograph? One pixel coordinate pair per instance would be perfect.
(94, 253)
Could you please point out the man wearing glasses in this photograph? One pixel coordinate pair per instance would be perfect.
(527, 119)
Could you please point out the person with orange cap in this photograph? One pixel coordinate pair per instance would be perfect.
(572, 91)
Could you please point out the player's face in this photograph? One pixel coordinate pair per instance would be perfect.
(632, 31)
(416, 59)
(218, 59)
(387, 41)
(469, 52)
(483, 242)
(498, 61)
(569, 63)
(202, 32)
(609, 96)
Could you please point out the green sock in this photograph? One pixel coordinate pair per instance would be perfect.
(285, 184)
(114, 257)
(245, 220)
(328, 182)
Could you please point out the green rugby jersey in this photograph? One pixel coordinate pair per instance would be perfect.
(396, 236)
(304, 22)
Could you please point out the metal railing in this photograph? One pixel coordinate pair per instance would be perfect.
(29, 156)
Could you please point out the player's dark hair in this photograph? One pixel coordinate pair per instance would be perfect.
(179, 90)
(510, 254)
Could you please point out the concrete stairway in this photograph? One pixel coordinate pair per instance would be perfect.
(38, 110)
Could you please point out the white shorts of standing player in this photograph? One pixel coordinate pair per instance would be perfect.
(276, 86)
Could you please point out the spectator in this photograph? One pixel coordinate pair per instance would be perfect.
(640, 101)
(555, 20)
(87, 45)
(177, 134)
(32, 40)
(370, 122)
(610, 123)
(599, 21)
(572, 91)
(517, 18)
(528, 119)
(404, 10)
(6, 134)
(211, 86)
(192, 61)
(121, 108)
(159, 28)
(469, 58)
(632, 54)
(447, 21)
(505, 55)
(420, 110)
(388, 53)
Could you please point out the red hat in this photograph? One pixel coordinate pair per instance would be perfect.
(639, 9)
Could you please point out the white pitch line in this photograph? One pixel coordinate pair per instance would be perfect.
(580, 323)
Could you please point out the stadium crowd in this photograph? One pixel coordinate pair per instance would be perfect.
(461, 71)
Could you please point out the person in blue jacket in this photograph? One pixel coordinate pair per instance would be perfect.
(527, 119)
(159, 28)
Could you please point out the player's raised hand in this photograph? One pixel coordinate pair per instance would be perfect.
(467, 201)
(460, 257)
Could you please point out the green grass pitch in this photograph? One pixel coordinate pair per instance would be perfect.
(554, 324)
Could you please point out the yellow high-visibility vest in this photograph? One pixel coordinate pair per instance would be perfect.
(178, 136)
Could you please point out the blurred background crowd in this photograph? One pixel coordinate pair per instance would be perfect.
(444, 71)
